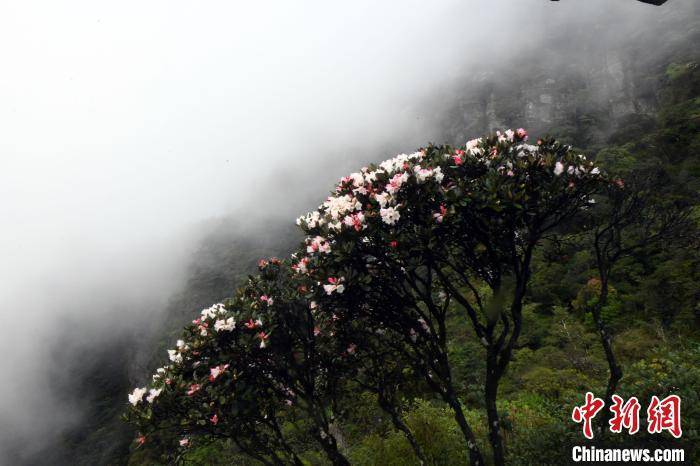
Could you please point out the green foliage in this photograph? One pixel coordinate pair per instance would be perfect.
(434, 428)
(670, 370)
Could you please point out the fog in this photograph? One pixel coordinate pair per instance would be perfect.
(125, 126)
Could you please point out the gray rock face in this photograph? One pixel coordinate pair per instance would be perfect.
(581, 84)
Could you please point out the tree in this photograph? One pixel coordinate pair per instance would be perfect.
(635, 216)
(241, 371)
(396, 244)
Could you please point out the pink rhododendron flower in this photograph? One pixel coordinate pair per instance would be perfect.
(521, 133)
(184, 442)
(396, 182)
(267, 300)
(263, 338)
(439, 216)
(424, 324)
(214, 419)
(318, 244)
(194, 388)
(302, 266)
(216, 371)
(334, 285)
(251, 325)
(355, 221)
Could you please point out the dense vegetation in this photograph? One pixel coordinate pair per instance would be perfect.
(649, 306)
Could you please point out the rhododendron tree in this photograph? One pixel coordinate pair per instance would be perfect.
(242, 370)
(443, 225)
(215, 387)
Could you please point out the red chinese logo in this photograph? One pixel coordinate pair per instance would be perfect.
(624, 415)
(661, 415)
(587, 412)
(665, 415)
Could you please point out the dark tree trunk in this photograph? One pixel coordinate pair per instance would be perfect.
(330, 447)
(606, 341)
(475, 456)
(400, 425)
(490, 396)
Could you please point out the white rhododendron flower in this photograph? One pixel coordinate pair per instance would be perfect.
(136, 395)
(174, 356)
(390, 215)
(312, 219)
(357, 179)
(472, 146)
(153, 394)
(558, 168)
(225, 325)
(340, 205)
(383, 199)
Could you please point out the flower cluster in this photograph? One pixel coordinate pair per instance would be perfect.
(379, 196)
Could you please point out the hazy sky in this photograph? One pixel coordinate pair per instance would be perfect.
(124, 124)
